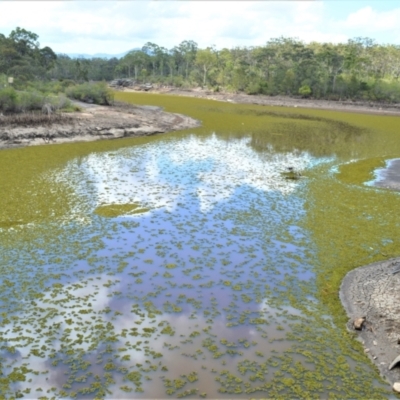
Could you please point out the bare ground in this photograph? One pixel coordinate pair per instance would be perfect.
(95, 123)
(373, 292)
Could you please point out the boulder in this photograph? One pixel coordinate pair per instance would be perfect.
(396, 387)
(358, 323)
(394, 362)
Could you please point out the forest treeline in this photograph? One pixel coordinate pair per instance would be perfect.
(358, 69)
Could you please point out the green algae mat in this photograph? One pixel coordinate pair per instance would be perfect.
(186, 265)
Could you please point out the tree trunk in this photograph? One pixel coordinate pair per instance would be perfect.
(334, 83)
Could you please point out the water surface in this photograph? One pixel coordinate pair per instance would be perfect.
(187, 265)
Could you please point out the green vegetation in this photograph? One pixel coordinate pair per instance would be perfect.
(359, 69)
(13, 101)
(97, 93)
(115, 210)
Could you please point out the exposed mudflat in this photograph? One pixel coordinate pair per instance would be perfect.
(96, 123)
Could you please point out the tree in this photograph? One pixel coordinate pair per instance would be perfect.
(47, 57)
(25, 42)
(135, 59)
(188, 50)
(206, 59)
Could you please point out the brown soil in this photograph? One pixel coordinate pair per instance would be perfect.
(94, 123)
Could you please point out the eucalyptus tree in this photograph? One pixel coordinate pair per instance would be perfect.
(22, 57)
(206, 59)
(393, 61)
(137, 60)
(188, 50)
(152, 50)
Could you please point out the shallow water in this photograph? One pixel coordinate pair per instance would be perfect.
(187, 265)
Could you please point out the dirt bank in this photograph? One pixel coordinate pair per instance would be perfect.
(282, 101)
(373, 292)
(95, 123)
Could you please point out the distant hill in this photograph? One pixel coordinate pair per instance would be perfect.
(98, 55)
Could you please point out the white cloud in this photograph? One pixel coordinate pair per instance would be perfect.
(114, 27)
(373, 20)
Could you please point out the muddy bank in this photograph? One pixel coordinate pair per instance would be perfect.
(373, 292)
(281, 101)
(96, 123)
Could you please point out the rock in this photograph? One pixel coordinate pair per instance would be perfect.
(122, 83)
(394, 362)
(359, 323)
(375, 343)
(118, 133)
(396, 387)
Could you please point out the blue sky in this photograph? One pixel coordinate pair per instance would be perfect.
(117, 26)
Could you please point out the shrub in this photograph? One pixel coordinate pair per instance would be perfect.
(8, 99)
(97, 93)
(305, 91)
(257, 88)
(31, 100)
(59, 102)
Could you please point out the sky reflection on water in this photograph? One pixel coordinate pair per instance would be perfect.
(214, 260)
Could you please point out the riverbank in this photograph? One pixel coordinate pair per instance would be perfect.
(373, 292)
(281, 101)
(96, 123)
